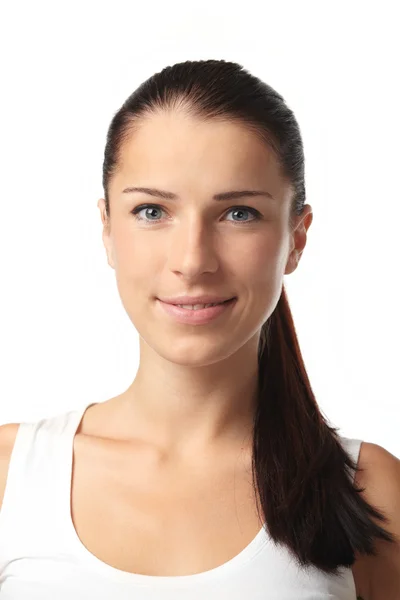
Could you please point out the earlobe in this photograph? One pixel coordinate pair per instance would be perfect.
(293, 261)
(109, 256)
(108, 246)
(111, 264)
(109, 259)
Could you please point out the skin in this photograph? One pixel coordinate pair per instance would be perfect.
(194, 390)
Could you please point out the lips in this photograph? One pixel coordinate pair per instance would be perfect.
(199, 316)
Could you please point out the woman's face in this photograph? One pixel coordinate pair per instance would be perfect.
(194, 244)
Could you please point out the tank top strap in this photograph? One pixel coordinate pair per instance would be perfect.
(37, 483)
(352, 446)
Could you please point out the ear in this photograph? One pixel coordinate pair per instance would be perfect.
(299, 238)
(106, 235)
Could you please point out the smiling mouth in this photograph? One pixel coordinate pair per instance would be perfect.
(196, 316)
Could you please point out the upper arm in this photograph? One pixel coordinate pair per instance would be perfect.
(8, 434)
(381, 480)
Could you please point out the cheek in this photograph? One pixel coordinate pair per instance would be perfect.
(266, 261)
(134, 256)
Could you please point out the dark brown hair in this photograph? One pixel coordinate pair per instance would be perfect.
(300, 470)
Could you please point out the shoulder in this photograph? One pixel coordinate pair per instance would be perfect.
(381, 479)
(8, 433)
(380, 473)
(380, 476)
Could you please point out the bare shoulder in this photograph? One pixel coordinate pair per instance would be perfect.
(370, 453)
(8, 434)
(380, 476)
(381, 479)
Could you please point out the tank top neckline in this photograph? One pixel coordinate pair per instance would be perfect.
(102, 568)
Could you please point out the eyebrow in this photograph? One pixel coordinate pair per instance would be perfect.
(222, 196)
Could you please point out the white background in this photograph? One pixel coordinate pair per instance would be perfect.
(65, 339)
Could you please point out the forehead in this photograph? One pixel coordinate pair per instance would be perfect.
(173, 149)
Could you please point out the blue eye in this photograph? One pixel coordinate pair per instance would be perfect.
(241, 209)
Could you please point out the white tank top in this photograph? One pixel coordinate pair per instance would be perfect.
(42, 558)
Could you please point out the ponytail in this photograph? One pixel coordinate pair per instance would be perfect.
(301, 472)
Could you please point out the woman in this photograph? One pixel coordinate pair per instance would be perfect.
(214, 475)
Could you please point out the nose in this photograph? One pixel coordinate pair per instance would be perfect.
(193, 249)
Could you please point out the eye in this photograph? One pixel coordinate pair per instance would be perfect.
(154, 207)
(136, 211)
(246, 209)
